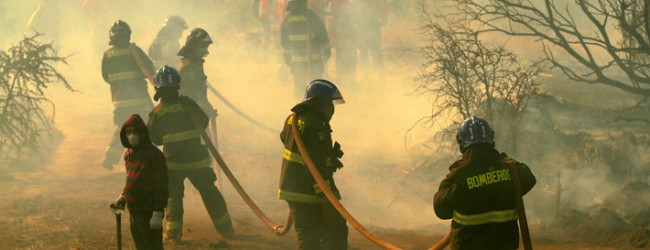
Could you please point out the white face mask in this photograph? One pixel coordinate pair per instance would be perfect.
(133, 140)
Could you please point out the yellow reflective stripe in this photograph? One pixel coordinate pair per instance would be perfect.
(298, 197)
(191, 165)
(182, 136)
(128, 75)
(299, 38)
(297, 18)
(301, 123)
(131, 102)
(225, 219)
(484, 218)
(174, 225)
(317, 188)
(305, 58)
(118, 52)
(293, 157)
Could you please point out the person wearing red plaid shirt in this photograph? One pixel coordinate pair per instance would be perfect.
(145, 192)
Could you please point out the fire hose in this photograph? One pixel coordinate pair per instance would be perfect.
(521, 211)
(278, 229)
(336, 203)
(283, 229)
(238, 111)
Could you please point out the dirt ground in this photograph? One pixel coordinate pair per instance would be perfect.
(65, 204)
(63, 201)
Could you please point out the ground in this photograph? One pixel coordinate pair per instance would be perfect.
(60, 198)
(65, 205)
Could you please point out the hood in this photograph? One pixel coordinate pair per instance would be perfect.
(136, 121)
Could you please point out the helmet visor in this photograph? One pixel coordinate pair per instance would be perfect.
(337, 98)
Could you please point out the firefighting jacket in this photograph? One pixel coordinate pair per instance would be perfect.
(478, 196)
(194, 83)
(296, 182)
(121, 71)
(146, 171)
(304, 38)
(170, 125)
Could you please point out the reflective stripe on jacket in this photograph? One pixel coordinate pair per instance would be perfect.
(170, 125)
(296, 182)
(478, 196)
(304, 38)
(124, 75)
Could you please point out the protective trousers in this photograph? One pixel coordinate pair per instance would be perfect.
(319, 226)
(203, 180)
(145, 238)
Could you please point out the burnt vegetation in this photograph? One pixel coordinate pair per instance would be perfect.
(590, 160)
(26, 113)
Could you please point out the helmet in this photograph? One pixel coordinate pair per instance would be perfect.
(175, 21)
(325, 89)
(198, 38)
(296, 4)
(166, 77)
(120, 29)
(474, 130)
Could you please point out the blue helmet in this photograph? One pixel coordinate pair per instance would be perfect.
(325, 89)
(474, 130)
(166, 77)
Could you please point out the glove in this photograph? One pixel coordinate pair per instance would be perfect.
(156, 220)
(337, 150)
(120, 203)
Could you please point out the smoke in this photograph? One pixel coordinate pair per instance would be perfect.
(382, 183)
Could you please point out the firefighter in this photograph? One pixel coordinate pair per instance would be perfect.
(370, 16)
(194, 81)
(145, 191)
(127, 82)
(165, 47)
(478, 193)
(344, 40)
(318, 224)
(305, 43)
(170, 125)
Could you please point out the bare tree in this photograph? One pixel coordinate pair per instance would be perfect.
(590, 32)
(26, 70)
(465, 76)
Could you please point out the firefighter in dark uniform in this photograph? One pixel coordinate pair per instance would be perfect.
(305, 43)
(164, 49)
(318, 224)
(170, 125)
(194, 81)
(478, 193)
(128, 86)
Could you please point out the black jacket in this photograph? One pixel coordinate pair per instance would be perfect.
(304, 38)
(170, 125)
(296, 182)
(478, 196)
(122, 72)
